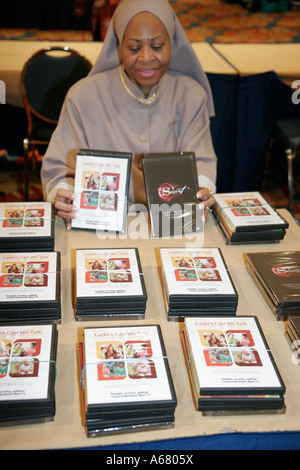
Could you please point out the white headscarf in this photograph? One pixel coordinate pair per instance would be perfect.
(183, 57)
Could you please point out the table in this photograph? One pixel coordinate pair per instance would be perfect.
(248, 59)
(67, 430)
(14, 54)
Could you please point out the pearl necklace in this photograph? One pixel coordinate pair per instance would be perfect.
(149, 100)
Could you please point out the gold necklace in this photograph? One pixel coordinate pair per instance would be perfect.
(149, 100)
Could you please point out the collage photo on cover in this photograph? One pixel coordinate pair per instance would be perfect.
(246, 207)
(26, 218)
(100, 191)
(130, 359)
(108, 270)
(196, 269)
(19, 358)
(228, 348)
(28, 274)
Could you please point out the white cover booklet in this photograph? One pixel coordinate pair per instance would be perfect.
(25, 359)
(230, 356)
(26, 219)
(195, 271)
(28, 277)
(123, 365)
(101, 187)
(240, 211)
(102, 273)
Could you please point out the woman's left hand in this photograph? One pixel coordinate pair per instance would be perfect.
(206, 200)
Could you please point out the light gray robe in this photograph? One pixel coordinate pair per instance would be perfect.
(99, 114)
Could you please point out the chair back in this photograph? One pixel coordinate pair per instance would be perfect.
(47, 76)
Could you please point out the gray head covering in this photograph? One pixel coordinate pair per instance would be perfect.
(183, 58)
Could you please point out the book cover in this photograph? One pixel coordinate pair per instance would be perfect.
(101, 187)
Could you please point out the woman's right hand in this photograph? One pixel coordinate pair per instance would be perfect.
(64, 206)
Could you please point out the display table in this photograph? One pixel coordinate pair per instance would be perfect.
(249, 59)
(67, 429)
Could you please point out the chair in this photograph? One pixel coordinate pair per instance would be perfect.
(45, 80)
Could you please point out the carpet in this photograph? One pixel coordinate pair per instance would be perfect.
(214, 21)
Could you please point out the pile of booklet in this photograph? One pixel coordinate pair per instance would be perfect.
(27, 373)
(171, 193)
(248, 218)
(292, 334)
(196, 281)
(125, 379)
(277, 275)
(27, 226)
(230, 365)
(109, 283)
(30, 287)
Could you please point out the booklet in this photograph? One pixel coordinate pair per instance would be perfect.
(102, 186)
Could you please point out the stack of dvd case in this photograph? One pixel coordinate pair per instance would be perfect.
(125, 379)
(277, 276)
(109, 284)
(30, 287)
(292, 334)
(28, 370)
(230, 365)
(27, 226)
(196, 281)
(247, 218)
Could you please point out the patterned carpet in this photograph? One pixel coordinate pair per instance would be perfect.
(203, 20)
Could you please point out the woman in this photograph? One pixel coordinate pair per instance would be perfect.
(146, 93)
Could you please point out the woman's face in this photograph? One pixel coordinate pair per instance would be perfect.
(145, 51)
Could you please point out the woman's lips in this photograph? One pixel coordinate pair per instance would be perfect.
(147, 73)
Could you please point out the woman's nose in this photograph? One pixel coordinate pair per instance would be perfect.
(146, 54)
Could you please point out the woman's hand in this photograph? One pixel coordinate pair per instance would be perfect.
(206, 200)
(64, 206)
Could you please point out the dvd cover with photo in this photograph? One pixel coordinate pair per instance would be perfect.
(27, 226)
(109, 283)
(231, 365)
(126, 380)
(27, 373)
(196, 281)
(248, 218)
(101, 187)
(30, 287)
